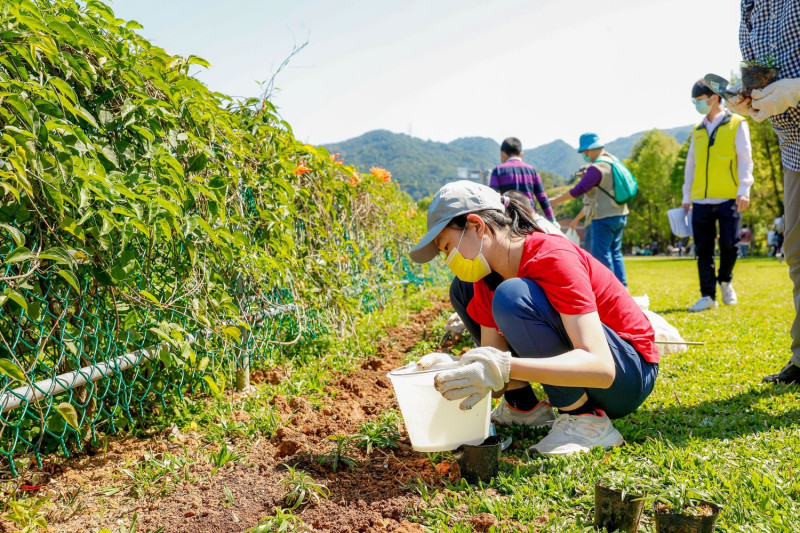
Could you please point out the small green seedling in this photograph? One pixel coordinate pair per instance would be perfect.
(156, 474)
(680, 499)
(223, 457)
(339, 455)
(381, 433)
(227, 499)
(24, 512)
(282, 520)
(765, 61)
(302, 489)
(625, 482)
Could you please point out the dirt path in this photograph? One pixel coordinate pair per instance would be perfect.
(373, 496)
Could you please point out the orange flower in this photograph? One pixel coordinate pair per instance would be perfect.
(336, 159)
(301, 169)
(382, 174)
(354, 180)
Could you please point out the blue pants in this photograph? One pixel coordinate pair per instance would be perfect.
(607, 244)
(533, 328)
(704, 231)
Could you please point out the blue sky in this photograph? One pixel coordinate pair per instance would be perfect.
(539, 70)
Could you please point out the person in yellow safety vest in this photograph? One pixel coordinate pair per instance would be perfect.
(716, 187)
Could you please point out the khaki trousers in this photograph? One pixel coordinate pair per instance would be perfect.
(791, 249)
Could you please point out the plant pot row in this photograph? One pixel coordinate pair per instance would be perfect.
(618, 511)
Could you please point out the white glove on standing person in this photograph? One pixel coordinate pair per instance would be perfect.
(775, 98)
(481, 370)
(427, 361)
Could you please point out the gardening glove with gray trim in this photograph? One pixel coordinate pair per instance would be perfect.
(481, 370)
(427, 361)
(775, 98)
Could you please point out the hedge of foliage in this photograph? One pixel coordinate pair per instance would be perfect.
(140, 208)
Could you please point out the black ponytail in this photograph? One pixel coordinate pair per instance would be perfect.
(518, 218)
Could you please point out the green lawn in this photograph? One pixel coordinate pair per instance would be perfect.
(709, 427)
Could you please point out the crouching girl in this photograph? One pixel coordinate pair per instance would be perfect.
(545, 312)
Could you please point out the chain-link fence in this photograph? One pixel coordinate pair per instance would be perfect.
(86, 367)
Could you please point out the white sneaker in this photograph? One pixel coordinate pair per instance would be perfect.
(578, 433)
(728, 294)
(706, 302)
(541, 415)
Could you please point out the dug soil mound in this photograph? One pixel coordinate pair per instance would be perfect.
(87, 493)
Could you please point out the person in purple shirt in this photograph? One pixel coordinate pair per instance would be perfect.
(515, 175)
(608, 217)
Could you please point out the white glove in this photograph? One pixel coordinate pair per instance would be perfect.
(481, 370)
(775, 98)
(455, 325)
(427, 361)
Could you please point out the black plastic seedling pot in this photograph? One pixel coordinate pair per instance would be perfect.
(480, 462)
(615, 513)
(757, 77)
(684, 523)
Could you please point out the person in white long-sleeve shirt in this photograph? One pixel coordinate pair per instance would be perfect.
(716, 187)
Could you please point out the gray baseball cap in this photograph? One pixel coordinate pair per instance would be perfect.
(454, 199)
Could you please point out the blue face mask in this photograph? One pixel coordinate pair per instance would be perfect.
(702, 106)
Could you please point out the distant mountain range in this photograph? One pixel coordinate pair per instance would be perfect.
(420, 167)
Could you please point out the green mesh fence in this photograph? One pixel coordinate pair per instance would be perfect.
(90, 368)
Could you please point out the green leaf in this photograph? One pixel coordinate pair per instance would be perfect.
(208, 229)
(212, 384)
(14, 296)
(54, 197)
(150, 297)
(59, 255)
(87, 116)
(71, 278)
(34, 311)
(10, 369)
(16, 234)
(232, 331)
(63, 31)
(64, 88)
(197, 61)
(68, 412)
(118, 273)
(109, 153)
(197, 162)
(19, 254)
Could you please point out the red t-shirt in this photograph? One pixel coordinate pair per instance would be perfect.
(575, 283)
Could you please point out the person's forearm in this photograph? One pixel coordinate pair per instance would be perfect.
(688, 175)
(744, 159)
(560, 199)
(576, 368)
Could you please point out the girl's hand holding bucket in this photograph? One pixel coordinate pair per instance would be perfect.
(481, 370)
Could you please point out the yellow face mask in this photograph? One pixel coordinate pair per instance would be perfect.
(469, 270)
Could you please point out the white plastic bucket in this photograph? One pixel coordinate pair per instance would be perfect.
(435, 424)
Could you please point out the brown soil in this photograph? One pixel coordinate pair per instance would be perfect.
(701, 509)
(757, 78)
(374, 496)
